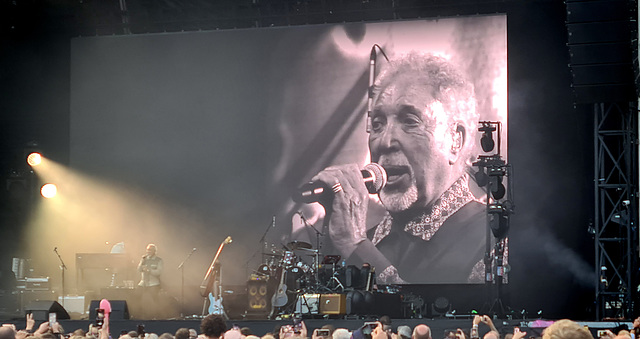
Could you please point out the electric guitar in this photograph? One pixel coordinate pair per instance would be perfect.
(211, 278)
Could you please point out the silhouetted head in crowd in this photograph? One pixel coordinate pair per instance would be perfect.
(213, 326)
(182, 333)
(421, 331)
(7, 332)
(566, 329)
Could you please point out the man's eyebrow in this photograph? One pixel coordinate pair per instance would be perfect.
(404, 109)
(409, 109)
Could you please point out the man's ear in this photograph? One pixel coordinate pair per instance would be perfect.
(458, 138)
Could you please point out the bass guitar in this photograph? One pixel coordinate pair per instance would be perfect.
(211, 280)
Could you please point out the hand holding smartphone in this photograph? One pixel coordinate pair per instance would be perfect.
(369, 326)
(323, 332)
(297, 325)
(99, 317)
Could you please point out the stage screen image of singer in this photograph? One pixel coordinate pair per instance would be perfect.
(204, 135)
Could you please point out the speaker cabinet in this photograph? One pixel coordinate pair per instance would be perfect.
(333, 304)
(258, 299)
(41, 309)
(119, 309)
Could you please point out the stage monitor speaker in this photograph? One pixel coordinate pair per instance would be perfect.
(41, 309)
(333, 304)
(119, 309)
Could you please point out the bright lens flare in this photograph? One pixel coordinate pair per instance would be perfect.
(49, 190)
(34, 159)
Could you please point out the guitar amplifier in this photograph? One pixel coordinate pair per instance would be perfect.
(333, 304)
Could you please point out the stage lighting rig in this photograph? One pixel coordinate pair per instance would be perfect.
(492, 169)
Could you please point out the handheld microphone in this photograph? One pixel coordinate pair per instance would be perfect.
(374, 176)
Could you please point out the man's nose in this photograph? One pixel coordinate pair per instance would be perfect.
(388, 138)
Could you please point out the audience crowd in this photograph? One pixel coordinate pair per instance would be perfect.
(215, 327)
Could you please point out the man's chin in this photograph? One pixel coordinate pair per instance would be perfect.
(399, 201)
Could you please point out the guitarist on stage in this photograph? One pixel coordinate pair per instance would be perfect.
(150, 267)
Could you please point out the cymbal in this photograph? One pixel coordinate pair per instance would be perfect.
(308, 250)
(299, 245)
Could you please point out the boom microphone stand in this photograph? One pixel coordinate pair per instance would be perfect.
(181, 268)
(316, 266)
(62, 268)
(263, 239)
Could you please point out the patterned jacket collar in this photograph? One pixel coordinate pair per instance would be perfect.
(427, 224)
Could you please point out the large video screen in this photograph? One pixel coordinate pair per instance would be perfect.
(202, 135)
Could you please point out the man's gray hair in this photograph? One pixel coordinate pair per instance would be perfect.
(447, 85)
(341, 333)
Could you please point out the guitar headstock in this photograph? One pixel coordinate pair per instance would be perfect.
(228, 240)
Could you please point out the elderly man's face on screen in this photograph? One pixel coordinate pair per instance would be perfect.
(411, 139)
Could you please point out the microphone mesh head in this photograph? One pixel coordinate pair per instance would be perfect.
(379, 177)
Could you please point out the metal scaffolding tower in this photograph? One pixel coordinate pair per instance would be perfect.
(615, 184)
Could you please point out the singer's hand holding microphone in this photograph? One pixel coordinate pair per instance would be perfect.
(344, 191)
(322, 188)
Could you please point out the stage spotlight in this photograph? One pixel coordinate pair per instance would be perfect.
(486, 141)
(34, 159)
(482, 179)
(497, 188)
(498, 220)
(48, 190)
(441, 306)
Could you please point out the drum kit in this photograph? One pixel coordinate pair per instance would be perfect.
(302, 269)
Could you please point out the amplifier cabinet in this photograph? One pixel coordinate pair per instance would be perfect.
(333, 304)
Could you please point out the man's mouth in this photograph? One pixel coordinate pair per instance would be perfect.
(395, 174)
